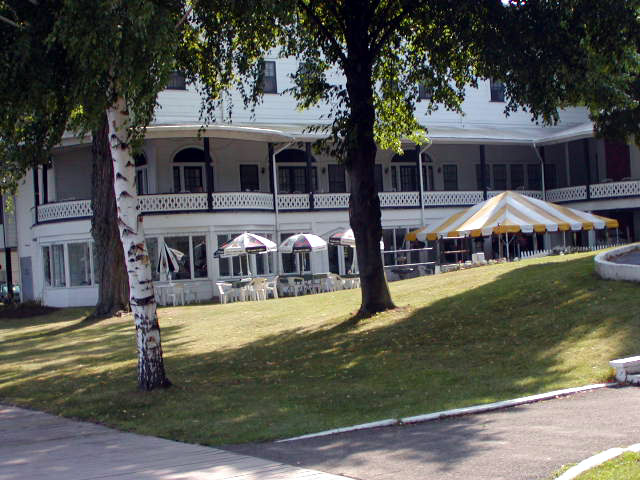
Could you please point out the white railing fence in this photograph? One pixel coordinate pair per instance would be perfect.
(568, 249)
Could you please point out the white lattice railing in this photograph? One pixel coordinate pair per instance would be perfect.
(443, 199)
(331, 200)
(527, 193)
(172, 202)
(615, 189)
(242, 200)
(399, 199)
(64, 210)
(293, 201)
(567, 194)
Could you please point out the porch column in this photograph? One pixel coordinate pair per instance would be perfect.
(36, 191)
(566, 164)
(543, 180)
(209, 170)
(587, 162)
(45, 183)
(307, 154)
(483, 172)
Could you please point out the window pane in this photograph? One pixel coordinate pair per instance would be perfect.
(408, 178)
(450, 177)
(46, 264)
(57, 254)
(176, 81)
(499, 177)
(152, 250)
(517, 176)
(533, 176)
(224, 264)
(269, 84)
(284, 184)
(337, 181)
(141, 181)
(299, 179)
(249, 178)
(177, 187)
(182, 245)
(193, 179)
(79, 264)
(199, 256)
(497, 91)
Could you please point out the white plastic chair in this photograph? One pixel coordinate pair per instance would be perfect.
(258, 288)
(176, 294)
(225, 291)
(272, 287)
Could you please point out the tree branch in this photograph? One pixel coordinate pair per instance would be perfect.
(387, 27)
(323, 28)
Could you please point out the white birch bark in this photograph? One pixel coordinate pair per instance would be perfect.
(151, 372)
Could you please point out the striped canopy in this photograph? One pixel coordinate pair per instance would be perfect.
(346, 238)
(244, 244)
(511, 212)
(303, 242)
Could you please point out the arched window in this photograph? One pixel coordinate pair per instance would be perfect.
(293, 178)
(188, 171)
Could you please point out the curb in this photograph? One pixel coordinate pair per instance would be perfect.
(596, 460)
(456, 412)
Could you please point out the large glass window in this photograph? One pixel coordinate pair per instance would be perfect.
(53, 265)
(408, 178)
(450, 177)
(189, 178)
(199, 249)
(261, 264)
(79, 264)
(294, 179)
(517, 176)
(499, 177)
(176, 81)
(182, 245)
(249, 180)
(337, 179)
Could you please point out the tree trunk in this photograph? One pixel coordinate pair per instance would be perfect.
(151, 372)
(110, 269)
(364, 203)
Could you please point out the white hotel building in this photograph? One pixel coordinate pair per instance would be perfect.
(198, 189)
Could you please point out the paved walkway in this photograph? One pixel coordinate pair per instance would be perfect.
(528, 442)
(34, 446)
(522, 443)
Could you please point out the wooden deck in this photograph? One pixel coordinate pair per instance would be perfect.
(35, 445)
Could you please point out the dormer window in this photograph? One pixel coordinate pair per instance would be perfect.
(268, 77)
(497, 90)
(177, 81)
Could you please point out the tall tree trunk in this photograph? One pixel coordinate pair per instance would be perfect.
(111, 271)
(151, 372)
(364, 202)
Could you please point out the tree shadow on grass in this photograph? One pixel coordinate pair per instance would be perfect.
(503, 339)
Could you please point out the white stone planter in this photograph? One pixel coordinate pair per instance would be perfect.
(617, 271)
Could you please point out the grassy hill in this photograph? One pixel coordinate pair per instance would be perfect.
(257, 371)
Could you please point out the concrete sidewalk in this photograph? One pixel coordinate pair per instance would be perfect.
(528, 442)
(35, 445)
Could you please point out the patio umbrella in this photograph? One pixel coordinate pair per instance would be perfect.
(169, 260)
(346, 238)
(303, 243)
(245, 244)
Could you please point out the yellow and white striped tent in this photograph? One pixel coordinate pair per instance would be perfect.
(511, 212)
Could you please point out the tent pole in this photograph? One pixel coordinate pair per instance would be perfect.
(506, 238)
(564, 240)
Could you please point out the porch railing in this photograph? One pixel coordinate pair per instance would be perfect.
(195, 202)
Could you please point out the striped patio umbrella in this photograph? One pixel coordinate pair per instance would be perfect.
(303, 243)
(346, 238)
(169, 259)
(245, 244)
(511, 212)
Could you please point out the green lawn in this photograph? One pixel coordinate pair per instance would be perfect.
(624, 467)
(257, 371)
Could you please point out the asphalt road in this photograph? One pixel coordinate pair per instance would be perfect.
(526, 442)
